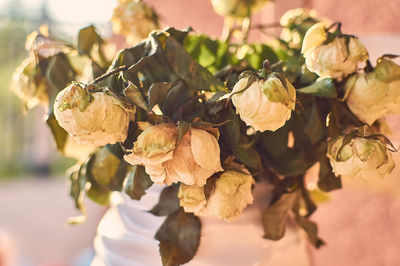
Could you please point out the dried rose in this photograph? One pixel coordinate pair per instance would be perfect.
(92, 117)
(29, 85)
(232, 193)
(361, 157)
(336, 59)
(375, 94)
(191, 161)
(265, 104)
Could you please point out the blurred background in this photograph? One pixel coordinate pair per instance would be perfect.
(34, 202)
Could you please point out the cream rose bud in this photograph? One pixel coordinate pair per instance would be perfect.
(134, 20)
(361, 157)
(336, 59)
(92, 118)
(367, 97)
(231, 194)
(191, 161)
(373, 95)
(266, 104)
(315, 36)
(192, 198)
(28, 85)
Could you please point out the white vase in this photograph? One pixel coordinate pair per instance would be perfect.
(125, 236)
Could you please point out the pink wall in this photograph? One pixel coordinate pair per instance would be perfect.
(359, 16)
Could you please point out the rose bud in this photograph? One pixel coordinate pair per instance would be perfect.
(232, 193)
(134, 20)
(29, 85)
(373, 95)
(361, 157)
(191, 161)
(92, 117)
(266, 104)
(192, 198)
(336, 59)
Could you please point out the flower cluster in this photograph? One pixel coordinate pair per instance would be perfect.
(198, 117)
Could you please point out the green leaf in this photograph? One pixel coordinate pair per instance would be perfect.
(157, 93)
(134, 94)
(59, 73)
(327, 179)
(87, 38)
(59, 134)
(104, 166)
(314, 127)
(137, 182)
(232, 128)
(275, 143)
(211, 54)
(275, 216)
(99, 194)
(168, 202)
(248, 156)
(260, 52)
(179, 238)
(177, 96)
(107, 169)
(322, 88)
(189, 70)
(311, 229)
(292, 163)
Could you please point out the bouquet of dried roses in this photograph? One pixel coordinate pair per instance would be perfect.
(209, 118)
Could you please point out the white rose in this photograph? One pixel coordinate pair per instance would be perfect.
(232, 193)
(134, 20)
(91, 118)
(373, 95)
(191, 161)
(315, 36)
(362, 157)
(29, 85)
(336, 59)
(266, 104)
(367, 97)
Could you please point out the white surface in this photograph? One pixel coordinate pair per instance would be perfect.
(125, 237)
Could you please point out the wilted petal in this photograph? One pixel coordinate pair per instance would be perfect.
(205, 150)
